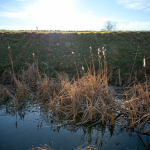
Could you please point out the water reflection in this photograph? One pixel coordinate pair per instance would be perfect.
(30, 117)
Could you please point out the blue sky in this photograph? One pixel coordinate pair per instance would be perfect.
(74, 14)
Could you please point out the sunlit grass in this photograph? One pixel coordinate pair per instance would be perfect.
(55, 48)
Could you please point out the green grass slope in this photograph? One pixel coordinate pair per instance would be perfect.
(55, 49)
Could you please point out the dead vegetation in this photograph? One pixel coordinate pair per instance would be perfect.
(81, 100)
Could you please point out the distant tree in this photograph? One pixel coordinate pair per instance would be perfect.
(109, 26)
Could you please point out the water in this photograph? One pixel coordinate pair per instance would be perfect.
(32, 126)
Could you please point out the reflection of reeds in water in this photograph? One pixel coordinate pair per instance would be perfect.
(83, 99)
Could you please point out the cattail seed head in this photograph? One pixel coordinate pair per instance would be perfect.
(99, 52)
(82, 68)
(91, 53)
(144, 62)
(33, 56)
(9, 50)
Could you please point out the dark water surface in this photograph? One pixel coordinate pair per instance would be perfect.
(32, 126)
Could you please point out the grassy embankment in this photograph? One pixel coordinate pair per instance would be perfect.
(55, 49)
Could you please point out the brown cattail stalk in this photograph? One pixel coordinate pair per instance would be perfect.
(105, 63)
(11, 59)
(86, 64)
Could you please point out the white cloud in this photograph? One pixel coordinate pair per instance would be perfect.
(41, 9)
(15, 14)
(136, 4)
(90, 11)
(135, 25)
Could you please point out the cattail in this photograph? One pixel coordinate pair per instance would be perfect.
(82, 68)
(73, 55)
(105, 53)
(33, 56)
(9, 50)
(90, 49)
(144, 62)
(91, 54)
(103, 50)
(99, 52)
(11, 58)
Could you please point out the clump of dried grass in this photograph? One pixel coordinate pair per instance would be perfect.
(88, 98)
(136, 105)
(81, 100)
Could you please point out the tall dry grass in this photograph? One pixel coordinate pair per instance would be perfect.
(81, 100)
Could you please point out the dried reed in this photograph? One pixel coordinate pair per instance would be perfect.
(87, 99)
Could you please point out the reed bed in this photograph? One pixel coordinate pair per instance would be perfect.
(82, 99)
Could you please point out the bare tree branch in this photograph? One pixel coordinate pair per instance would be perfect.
(109, 26)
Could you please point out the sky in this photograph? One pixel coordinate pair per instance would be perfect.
(131, 15)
